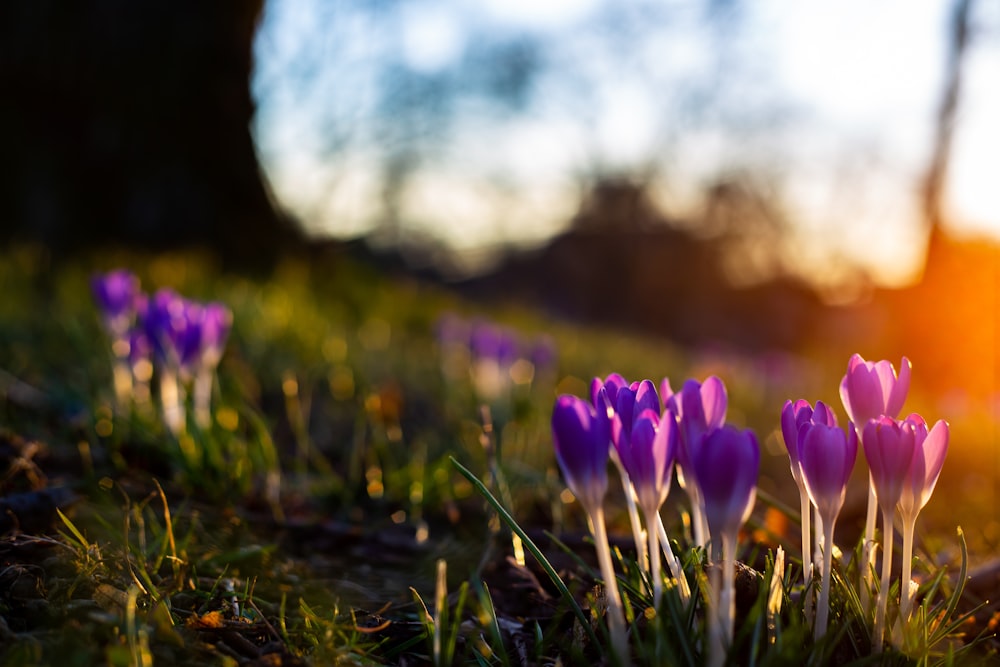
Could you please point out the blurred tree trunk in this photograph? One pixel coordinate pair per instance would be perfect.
(128, 123)
(937, 170)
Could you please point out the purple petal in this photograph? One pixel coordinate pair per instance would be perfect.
(726, 463)
(900, 387)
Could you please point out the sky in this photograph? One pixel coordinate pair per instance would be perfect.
(832, 104)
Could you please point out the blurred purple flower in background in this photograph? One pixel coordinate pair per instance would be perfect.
(496, 358)
(118, 296)
(188, 340)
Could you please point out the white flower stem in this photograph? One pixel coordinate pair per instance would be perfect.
(713, 618)
(654, 556)
(823, 612)
(722, 613)
(907, 591)
(868, 552)
(633, 513)
(729, 585)
(171, 396)
(615, 613)
(676, 571)
(203, 397)
(807, 548)
(122, 376)
(883, 592)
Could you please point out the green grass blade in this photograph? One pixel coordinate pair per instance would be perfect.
(73, 529)
(531, 547)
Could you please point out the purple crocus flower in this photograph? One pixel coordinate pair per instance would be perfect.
(543, 353)
(608, 400)
(647, 451)
(581, 435)
(631, 402)
(826, 458)
(930, 448)
(793, 416)
(889, 447)
(726, 463)
(216, 321)
(485, 340)
(698, 408)
(173, 325)
(871, 389)
(116, 294)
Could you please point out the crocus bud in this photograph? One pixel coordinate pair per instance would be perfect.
(581, 434)
(871, 389)
(630, 404)
(611, 385)
(925, 467)
(648, 456)
(700, 408)
(726, 463)
(826, 456)
(793, 416)
(889, 445)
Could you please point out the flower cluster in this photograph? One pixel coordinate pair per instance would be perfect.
(645, 433)
(904, 460)
(181, 338)
(649, 433)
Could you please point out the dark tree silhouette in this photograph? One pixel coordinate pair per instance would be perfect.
(128, 123)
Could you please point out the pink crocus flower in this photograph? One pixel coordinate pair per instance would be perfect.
(871, 389)
(826, 457)
(930, 448)
(889, 447)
